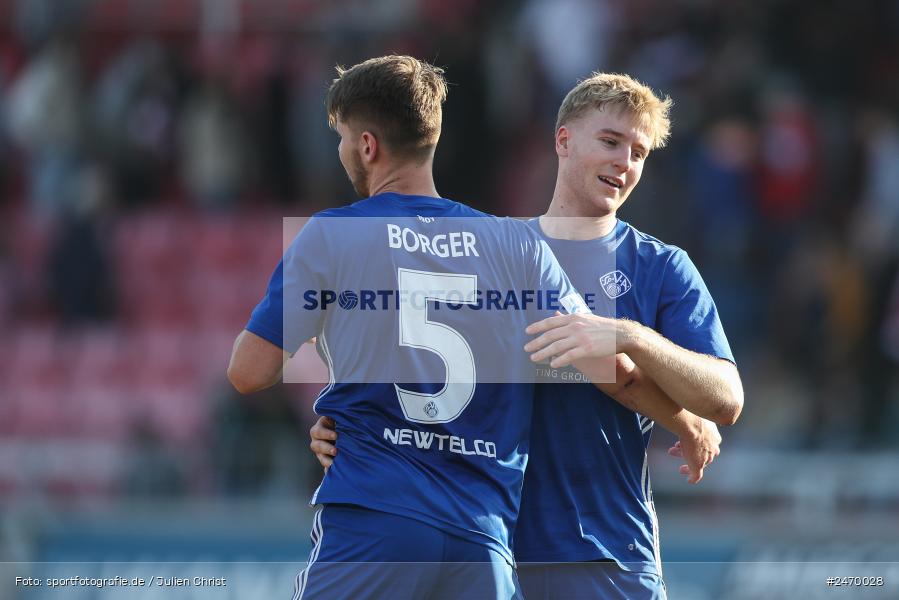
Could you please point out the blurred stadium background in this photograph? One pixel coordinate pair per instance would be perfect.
(150, 148)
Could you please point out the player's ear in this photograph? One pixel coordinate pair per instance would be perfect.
(368, 146)
(562, 139)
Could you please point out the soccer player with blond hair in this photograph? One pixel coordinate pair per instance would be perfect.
(587, 525)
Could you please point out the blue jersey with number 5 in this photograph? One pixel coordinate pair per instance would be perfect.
(419, 306)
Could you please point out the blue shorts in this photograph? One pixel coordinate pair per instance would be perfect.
(360, 553)
(599, 579)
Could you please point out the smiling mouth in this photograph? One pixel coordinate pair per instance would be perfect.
(611, 182)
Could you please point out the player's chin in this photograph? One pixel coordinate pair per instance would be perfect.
(612, 202)
(605, 204)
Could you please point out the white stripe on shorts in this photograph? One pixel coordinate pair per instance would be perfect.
(317, 536)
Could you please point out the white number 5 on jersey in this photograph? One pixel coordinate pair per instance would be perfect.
(417, 331)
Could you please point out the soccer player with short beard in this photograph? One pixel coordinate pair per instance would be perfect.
(434, 407)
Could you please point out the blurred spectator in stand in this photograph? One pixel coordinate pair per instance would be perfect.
(45, 119)
(875, 230)
(213, 160)
(261, 81)
(134, 111)
(79, 269)
(462, 165)
(571, 39)
(722, 176)
(789, 227)
(875, 237)
(277, 160)
(818, 325)
(788, 166)
(313, 144)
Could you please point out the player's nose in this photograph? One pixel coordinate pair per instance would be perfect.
(621, 161)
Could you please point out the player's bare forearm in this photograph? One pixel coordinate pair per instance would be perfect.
(633, 389)
(699, 440)
(704, 385)
(255, 363)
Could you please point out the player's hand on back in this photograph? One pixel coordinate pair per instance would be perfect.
(324, 437)
(699, 450)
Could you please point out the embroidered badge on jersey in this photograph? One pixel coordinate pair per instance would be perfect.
(614, 284)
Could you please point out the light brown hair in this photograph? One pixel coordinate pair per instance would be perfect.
(398, 98)
(621, 92)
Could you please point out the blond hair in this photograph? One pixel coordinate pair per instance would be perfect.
(398, 97)
(621, 92)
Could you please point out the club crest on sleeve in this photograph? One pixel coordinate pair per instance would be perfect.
(614, 284)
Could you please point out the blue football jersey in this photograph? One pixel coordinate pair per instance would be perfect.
(587, 493)
(419, 306)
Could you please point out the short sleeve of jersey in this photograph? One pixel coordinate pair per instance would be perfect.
(687, 314)
(303, 267)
